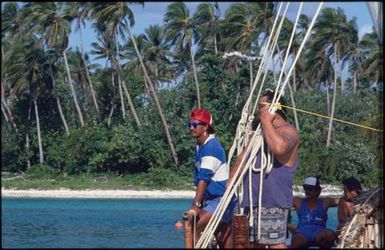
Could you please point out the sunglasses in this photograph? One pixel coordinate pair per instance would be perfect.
(262, 104)
(194, 124)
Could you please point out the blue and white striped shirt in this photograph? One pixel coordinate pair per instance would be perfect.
(211, 166)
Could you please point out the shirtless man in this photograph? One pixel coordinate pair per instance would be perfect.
(277, 198)
(352, 188)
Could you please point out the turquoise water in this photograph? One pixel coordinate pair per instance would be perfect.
(97, 223)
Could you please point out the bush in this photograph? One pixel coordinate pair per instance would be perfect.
(42, 171)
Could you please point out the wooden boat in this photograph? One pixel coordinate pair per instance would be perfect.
(364, 229)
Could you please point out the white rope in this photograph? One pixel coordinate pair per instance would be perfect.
(252, 156)
(254, 146)
(298, 54)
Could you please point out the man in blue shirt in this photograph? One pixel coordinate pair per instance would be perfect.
(210, 176)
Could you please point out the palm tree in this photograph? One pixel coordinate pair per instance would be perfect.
(118, 14)
(27, 67)
(207, 20)
(113, 16)
(354, 54)
(373, 52)
(156, 54)
(80, 11)
(320, 69)
(53, 58)
(331, 34)
(50, 20)
(11, 26)
(244, 23)
(104, 49)
(180, 29)
(133, 65)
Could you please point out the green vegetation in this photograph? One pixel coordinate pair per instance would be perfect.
(107, 181)
(67, 122)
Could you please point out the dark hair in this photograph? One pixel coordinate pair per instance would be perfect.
(270, 95)
(210, 129)
(351, 184)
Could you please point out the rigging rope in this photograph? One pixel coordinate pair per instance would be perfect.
(279, 106)
(254, 145)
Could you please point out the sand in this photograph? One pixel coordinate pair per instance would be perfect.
(328, 190)
(113, 194)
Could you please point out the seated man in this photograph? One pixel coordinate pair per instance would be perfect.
(352, 188)
(312, 217)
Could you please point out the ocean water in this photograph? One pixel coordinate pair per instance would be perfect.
(97, 223)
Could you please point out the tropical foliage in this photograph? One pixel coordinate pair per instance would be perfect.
(64, 114)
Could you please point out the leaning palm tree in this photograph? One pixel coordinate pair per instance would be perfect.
(156, 54)
(113, 18)
(53, 58)
(27, 69)
(118, 13)
(50, 20)
(11, 30)
(5, 101)
(180, 30)
(80, 11)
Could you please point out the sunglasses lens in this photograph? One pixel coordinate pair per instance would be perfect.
(194, 124)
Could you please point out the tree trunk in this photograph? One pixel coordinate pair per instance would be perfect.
(333, 103)
(195, 78)
(5, 116)
(354, 82)
(88, 74)
(27, 134)
(58, 103)
(112, 100)
(41, 155)
(327, 97)
(8, 114)
(73, 90)
(215, 45)
(341, 78)
(117, 60)
(164, 122)
(131, 104)
(7, 111)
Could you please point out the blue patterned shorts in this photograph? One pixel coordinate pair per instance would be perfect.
(273, 225)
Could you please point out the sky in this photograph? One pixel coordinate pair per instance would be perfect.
(153, 12)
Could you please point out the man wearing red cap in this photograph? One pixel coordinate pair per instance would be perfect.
(210, 176)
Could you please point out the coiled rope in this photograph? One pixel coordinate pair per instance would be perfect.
(251, 146)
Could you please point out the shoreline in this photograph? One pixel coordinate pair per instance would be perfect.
(97, 194)
(127, 194)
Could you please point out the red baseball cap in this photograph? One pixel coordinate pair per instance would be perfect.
(203, 116)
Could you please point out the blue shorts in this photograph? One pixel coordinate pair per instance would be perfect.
(310, 232)
(211, 205)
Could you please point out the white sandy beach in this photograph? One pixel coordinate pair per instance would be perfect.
(113, 194)
(328, 190)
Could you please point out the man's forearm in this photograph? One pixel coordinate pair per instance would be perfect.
(200, 191)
